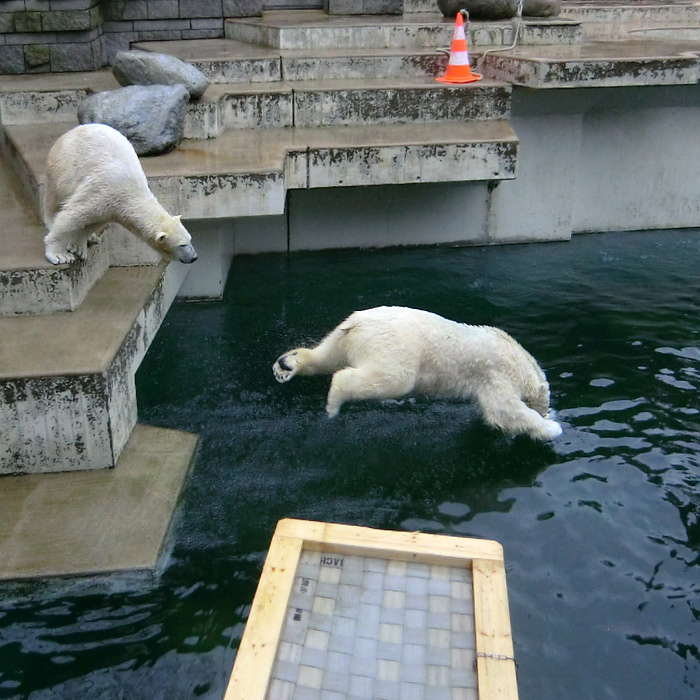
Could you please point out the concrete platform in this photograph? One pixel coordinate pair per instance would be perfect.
(50, 97)
(76, 524)
(615, 19)
(67, 394)
(597, 64)
(247, 172)
(318, 30)
(327, 103)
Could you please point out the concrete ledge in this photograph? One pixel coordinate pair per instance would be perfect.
(247, 172)
(598, 64)
(222, 60)
(67, 394)
(76, 524)
(343, 103)
(317, 30)
(49, 97)
(677, 20)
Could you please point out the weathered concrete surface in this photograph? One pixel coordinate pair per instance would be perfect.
(223, 61)
(54, 98)
(622, 21)
(597, 64)
(249, 106)
(407, 101)
(96, 522)
(343, 103)
(285, 31)
(247, 172)
(67, 397)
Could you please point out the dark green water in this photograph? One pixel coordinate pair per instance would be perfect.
(601, 528)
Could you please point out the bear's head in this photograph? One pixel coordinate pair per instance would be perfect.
(174, 241)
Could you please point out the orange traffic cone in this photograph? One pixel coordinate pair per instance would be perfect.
(458, 69)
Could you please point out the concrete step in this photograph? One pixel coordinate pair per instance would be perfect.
(228, 61)
(28, 283)
(598, 64)
(617, 20)
(343, 103)
(67, 395)
(96, 522)
(318, 30)
(47, 97)
(247, 172)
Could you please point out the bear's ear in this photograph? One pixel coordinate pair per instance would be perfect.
(177, 217)
(161, 236)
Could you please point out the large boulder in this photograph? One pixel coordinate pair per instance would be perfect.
(146, 68)
(541, 8)
(480, 9)
(151, 116)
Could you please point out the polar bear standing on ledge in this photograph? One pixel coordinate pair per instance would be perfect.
(391, 351)
(93, 177)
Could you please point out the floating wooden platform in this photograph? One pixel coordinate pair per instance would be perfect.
(345, 612)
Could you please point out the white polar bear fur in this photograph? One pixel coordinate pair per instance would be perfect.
(93, 177)
(392, 351)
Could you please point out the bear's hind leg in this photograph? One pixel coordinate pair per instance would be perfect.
(289, 364)
(504, 410)
(358, 383)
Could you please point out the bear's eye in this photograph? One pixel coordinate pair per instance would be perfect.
(184, 245)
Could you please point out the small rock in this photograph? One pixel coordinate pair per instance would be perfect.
(146, 68)
(151, 116)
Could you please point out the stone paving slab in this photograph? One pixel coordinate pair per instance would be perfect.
(95, 522)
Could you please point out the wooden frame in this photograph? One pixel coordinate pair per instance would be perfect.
(494, 647)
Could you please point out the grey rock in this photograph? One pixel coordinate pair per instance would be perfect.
(146, 68)
(151, 116)
(480, 9)
(541, 8)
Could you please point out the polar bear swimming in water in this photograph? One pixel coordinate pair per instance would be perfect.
(390, 351)
(94, 177)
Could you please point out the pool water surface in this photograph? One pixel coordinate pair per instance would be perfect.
(601, 527)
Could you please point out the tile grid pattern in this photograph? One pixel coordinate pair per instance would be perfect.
(364, 628)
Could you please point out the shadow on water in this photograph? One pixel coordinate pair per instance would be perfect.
(601, 528)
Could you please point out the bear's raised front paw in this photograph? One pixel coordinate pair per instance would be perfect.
(285, 367)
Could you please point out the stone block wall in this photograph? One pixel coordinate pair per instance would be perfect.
(40, 36)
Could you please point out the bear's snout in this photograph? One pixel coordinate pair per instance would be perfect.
(186, 254)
